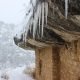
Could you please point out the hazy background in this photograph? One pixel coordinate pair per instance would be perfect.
(12, 13)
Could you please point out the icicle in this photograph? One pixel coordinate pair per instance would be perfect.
(25, 29)
(42, 19)
(30, 26)
(35, 21)
(66, 8)
(46, 11)
(24, 35)
(39, 17)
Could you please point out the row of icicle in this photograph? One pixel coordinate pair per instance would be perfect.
(39, 13)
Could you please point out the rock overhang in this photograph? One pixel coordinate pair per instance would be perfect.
(58, 30)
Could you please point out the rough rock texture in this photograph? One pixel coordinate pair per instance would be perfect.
(58, 29)
(47, 64)
(70, 61)
(74, 6)
(58, 63)
(58, 50)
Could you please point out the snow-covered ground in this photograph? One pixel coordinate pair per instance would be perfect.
(13, 58)
(10, 54)
(15, 63)
(17, 73)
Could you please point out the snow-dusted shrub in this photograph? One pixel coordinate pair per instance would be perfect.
(4, 76)
(30, 70)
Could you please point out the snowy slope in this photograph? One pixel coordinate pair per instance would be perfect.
(15, 74)
(10, 54)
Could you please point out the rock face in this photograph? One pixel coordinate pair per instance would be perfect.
(73, 5)
(70, 62)
(57, 51)
(58, 63)
(58, 29)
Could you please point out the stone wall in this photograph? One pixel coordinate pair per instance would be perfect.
(70, 61)
(47, 64)
(58, 63)
(44, 64)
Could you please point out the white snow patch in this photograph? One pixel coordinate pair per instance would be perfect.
(16, 74)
